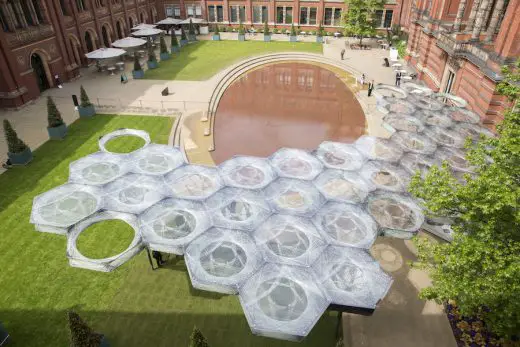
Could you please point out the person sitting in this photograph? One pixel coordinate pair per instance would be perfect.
(386, 62)
(158, 258)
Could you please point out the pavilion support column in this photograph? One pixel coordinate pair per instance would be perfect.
(460, 14)
(495, 17)
(480, 20)
(473, 15)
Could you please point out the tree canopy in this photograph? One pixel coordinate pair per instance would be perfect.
(197, 339)
(360, 18)
(14, 144)
(81, 334)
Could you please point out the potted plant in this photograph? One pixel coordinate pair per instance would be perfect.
(241, 32)
(17, 151)
(319, 34)
(191, 32)
(137, 72)
(174, 43)
(82, 335)
(86, 108)
(56, 128)
(165, 55)
(216, 34)
(184, 39)
(293, 36)
(267, 34)
(152, 59)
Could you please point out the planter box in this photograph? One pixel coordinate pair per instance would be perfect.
(152, 64)
(138, 74)
(241, 37)
(267, 38)
(86, 112)
(319, 39)
(175, 49)
(216, 37)
(293, 38)
(184, 42)
(58, 133)
(20, 158)
(164, 56)
(192, 38)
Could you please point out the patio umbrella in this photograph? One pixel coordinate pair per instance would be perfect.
(105, 53)
(143, 26)
(147, 32)
(169, 21)
(129, 42)
(194, 21)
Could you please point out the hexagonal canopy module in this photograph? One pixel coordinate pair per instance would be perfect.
(193, 182)
(133, 193)
(294, 197)
(395, 105)
(77, 259)
(295, 163)
(463, 115)
(346, 225)
(351, 277)
(455, 158)
(473, 130)
(171, 224)
(59, 208)
(236, 208)
(383, 175)
(342, 186)
(445, 137)
(429, 103)
(289, 240)
(247, 172)
(156, 159)
(337, 155)
(403, 123)
(98, 168)
(431, 118)
(397, 215)
(386, 90)
(220, 260)
(377, 148)
(416, 89)
(413, 162)
(413, 142)
(282, 302)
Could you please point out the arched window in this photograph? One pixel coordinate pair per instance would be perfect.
(104, 33)
(119, 29)
(27, 13)
(37, 10)
(131, 21)
(81, 5)
(3, 21)
(64, 8)
(142, 17)
(88, 41)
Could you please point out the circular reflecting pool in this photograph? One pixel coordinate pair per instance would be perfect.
(297, 105)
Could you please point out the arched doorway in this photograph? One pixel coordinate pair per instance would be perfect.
(89, 42)
(131, 20)
(119, 30)
(106, 39)
(142, 17)
(38, 67)
(76, 47)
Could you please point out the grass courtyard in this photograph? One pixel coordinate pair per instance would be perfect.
(133, 306)
(201, 60)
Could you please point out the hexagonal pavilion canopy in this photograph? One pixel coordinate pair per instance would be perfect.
(288, 233)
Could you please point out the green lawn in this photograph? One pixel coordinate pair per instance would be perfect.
(201, 60)
(133, 306)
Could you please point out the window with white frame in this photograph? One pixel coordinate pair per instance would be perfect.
(388, 18)
(284, 15)
(308, 15)
(173, 11)
(194, 11)
(238, 14)
(215, 13)
(383, 18)
(332, 16)
(260, 14)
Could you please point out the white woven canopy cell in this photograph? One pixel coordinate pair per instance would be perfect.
(143, 26)
(413, 142)
(463, 115)
(63, 206)
(295, 163)
(77, 259)
(220, 260)
(289, 240)
(294, 197)
(351, 277)
(445, 137)
(133, 193)
(337, 155)
(342, 186)
(438, 118)
(169, 21)
(146, 32)
(105, 53)
(455, 158)
(282, 302)
(451, 99)
(377, 148)
(346, 225)
(399, 106)
(157, 160)
(247, 172)
(236, 208)
(426, 102)
(386, 176)
(389, 91)
(472, 130)
(123, 132)
(98, 169)
(403, 122)
(416, 89)
(171, 224)
(193, 182)
(129, 42)
(395, 214)
(413, 162)
(439, 226)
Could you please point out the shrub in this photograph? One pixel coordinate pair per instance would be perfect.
(84, 100)
(191, 29)
(223, 29)
(183, 35)
(266, 28)
(14, 144)
(137, 64)
(164, 48)
(241, 30)
(151, 54)
(217, 32)
(293, 31)
(320, 31)
(197, 339)
(53, 114)
(81, 334)
(275, 31)
(174, 41)
(313, 32)
(329, 33)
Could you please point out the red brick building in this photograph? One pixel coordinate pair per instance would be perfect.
(458, 46)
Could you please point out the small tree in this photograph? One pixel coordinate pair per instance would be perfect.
(53, 114)
(266, 28)
(293, 31)
(217, 31)
(174, 42)
(81, 334)
(360, 19)
(14, 144)
(164, 48)
(241, 30)
(84, 100)
(183, 35)
(151, 54)
(137, 64)
(191, 29)
(319, 33)
(197, 339)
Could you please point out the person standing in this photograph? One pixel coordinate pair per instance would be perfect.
(342, 53)
(57, 81)
(397, 79)
(370, 87)
(363, 79)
